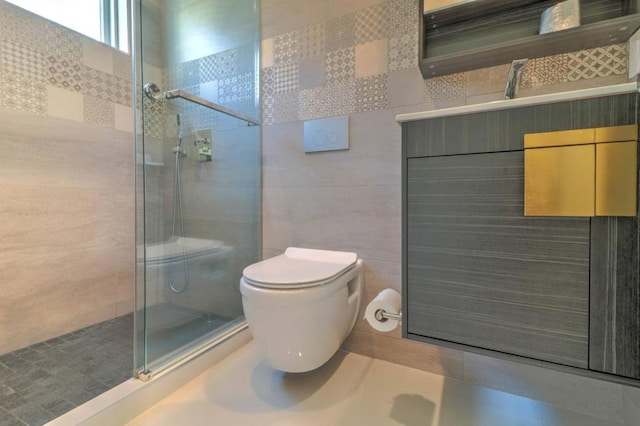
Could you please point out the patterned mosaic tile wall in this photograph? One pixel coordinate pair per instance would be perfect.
(227, 78)
(46, 69)
(347, 65)
(340, 66)
(591, 64)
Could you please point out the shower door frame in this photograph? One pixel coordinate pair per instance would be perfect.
(141, 363)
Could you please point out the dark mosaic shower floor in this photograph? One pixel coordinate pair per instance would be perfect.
(44, 381)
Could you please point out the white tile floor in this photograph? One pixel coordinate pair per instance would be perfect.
(350, 390)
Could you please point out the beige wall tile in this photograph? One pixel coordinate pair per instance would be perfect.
(486, 80)
(266, 52)
(371, 58)
(282, 16)
(311, 72)
(372, 159)
(481, 99)
(63, 103)
(406, 87)
(363, 219)
(573, 85)
(97, 55)
(68, 210)
(124, 118)
(153, 74)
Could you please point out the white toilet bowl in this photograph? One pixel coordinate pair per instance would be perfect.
(301, 305)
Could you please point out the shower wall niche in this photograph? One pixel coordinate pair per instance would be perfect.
(199, 173)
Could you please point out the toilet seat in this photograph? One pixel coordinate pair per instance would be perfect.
(299, 268)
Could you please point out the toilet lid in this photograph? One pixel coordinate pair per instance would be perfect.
(299, 267)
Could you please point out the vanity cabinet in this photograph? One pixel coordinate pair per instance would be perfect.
(586, 172)
(480, 275)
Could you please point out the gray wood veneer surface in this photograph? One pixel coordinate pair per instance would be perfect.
(479, 273)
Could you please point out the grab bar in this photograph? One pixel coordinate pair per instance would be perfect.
(153, 92)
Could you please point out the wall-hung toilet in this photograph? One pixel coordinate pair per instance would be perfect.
(301, 305)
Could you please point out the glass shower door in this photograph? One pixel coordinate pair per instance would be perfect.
(198, 149)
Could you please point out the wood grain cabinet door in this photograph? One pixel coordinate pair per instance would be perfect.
(481, 274)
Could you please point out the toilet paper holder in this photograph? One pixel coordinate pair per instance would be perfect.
(382, 315)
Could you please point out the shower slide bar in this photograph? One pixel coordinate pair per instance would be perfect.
(153, 92)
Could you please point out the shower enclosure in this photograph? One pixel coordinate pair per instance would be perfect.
(198, 172)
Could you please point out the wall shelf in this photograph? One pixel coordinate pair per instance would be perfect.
(469, 37)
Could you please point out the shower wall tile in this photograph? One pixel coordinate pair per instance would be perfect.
(190, 73)
(23, 94)
(20, 59)
(62, 43)
(65, 104)
(268, 109)
(23, 28)
(122, 67)
(99, 111)
(267, 81)
(106, 86)
(66, 216)
(123, 118)
(266, 53)
(286, 47)
(219, 65)
(236, 88)
(65, 73)
(97, 55)
(37, 55)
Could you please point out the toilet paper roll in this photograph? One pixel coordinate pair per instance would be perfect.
(390, 301)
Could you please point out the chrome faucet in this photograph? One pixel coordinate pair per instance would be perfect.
(514, 77)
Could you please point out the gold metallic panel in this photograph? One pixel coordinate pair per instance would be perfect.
(560, 181)
(616, 178)
(617, 133)
(562, 138)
